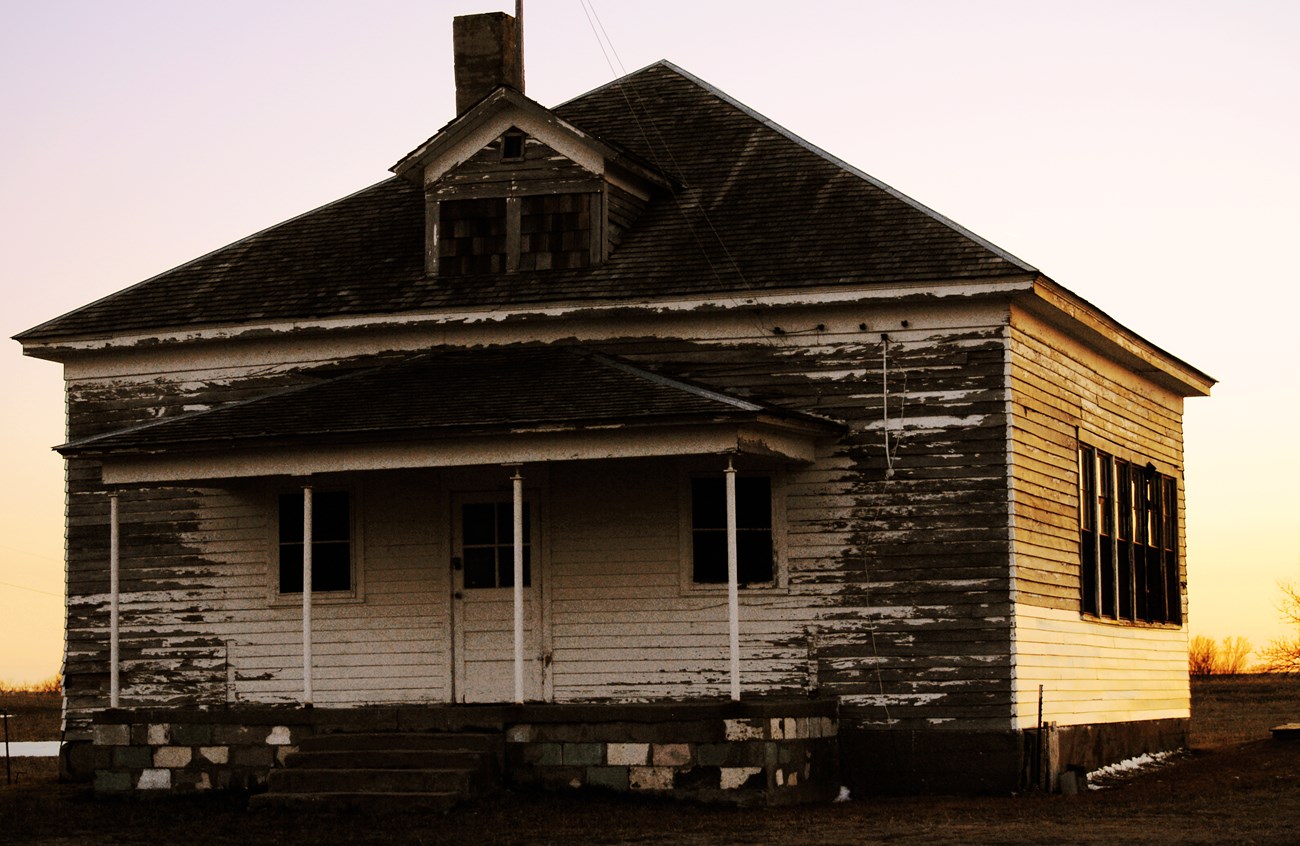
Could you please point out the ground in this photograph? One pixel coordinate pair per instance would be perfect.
(1236, 786)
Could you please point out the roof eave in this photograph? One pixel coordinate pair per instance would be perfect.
(1061, 307)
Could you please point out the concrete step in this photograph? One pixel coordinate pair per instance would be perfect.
(384, 803)
(389, 759)
(411, 741)
(299, 780)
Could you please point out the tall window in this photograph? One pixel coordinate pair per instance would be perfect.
(488, 545)
(753, 529)
(1128, 540)
(331, 546)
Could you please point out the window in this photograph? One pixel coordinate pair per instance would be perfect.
(512, 147)
(555, 231)
(472, 236)
(1128, 540)
(754, 558)
(331, 547)
(488, 545)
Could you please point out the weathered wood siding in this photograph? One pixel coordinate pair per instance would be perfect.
(543, 170)
(899, 593)
(1091, 670)
(895, 590)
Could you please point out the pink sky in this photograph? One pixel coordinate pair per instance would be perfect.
(1143, 154)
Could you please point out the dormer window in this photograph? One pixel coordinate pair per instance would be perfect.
(512, 147)
(472, 236)
(511, 188)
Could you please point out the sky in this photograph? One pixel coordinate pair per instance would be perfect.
(1143, 154)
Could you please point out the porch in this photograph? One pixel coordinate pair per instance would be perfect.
(762, 751)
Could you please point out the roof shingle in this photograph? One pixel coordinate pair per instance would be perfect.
(757, 210)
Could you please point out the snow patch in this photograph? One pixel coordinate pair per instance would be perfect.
(1125, 768)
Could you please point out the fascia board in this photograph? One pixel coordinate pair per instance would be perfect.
(1081, 319)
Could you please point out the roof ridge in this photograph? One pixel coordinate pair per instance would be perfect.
(833, 159)
(615, 81)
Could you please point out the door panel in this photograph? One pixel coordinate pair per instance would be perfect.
(483, 599)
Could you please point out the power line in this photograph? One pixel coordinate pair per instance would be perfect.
(29, 552)
(32, 589)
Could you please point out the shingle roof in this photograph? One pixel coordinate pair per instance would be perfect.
(757, 209)
(448, 393)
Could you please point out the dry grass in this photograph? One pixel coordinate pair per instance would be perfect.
(32, 715)
(1233, 709)
(1224, 791)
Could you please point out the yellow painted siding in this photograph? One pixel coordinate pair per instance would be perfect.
(1091, 671)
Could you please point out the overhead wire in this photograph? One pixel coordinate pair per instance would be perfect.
(602, 38)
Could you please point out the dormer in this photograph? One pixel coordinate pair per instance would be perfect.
(508, 185)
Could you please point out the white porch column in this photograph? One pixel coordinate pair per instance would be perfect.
(733, 582)
(114, 593)
(306, 595)
(517, 482)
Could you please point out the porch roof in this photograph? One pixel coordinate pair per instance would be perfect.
(454, 407)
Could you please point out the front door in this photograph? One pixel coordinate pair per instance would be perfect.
(483, 599)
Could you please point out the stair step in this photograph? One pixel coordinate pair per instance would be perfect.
(299, 780)
(388, 759)
(450, 741)
(432, 802)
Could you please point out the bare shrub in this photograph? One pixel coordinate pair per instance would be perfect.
(1282, 655)
(54, 684)
(1234, 655)
(1205, 657)
(1201, 655)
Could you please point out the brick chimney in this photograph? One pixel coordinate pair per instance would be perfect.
(487, 56)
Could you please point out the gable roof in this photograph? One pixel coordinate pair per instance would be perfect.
(757, 209)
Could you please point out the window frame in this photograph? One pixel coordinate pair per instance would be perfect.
(1134, 577)
(686, 570)
(356, 593)
(456, 534)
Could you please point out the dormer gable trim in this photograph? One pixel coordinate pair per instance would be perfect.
(502, 110)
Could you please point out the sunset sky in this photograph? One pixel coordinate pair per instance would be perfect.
(1143, 154)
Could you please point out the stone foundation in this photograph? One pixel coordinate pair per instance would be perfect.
(773, 754)
(747, 752)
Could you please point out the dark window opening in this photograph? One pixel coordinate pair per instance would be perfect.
(1128, 540)
(753, 530)
(512, 146)
(331, 542)
(488, 545)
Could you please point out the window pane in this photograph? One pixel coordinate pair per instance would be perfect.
(329, 516)
(478, 526)
(480, 567)
(291, 567)
(291, 518)
(708, 503)
(1087, 488)
(754, 557)
(1088, 572)
(330, 567)
(754, 502)
(710, 557)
